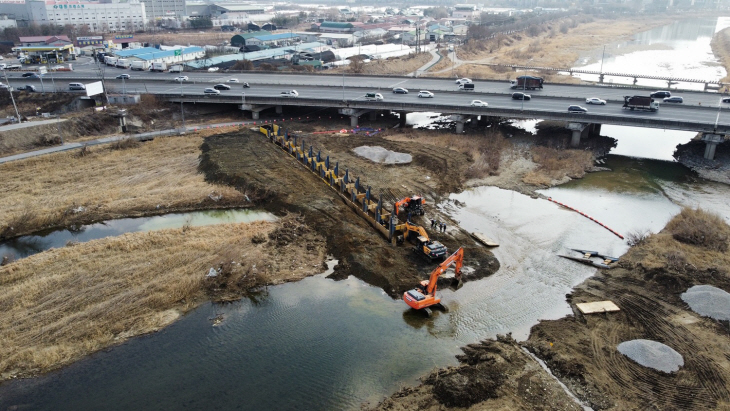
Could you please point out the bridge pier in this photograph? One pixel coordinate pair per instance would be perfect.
(577, 129)
(279, 109)
(711, 142)
(594, 130)
(373, 115)
(256, 109)
(403, 115)
(354, 114)
(460, 120)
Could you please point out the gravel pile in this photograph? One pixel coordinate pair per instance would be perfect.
(708, 301)
(652, 354)
(381, 155)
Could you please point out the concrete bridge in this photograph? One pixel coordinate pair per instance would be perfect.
(581, 125)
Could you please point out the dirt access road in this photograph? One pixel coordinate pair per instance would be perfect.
(248, 161)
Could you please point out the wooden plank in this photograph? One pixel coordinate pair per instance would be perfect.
(597, 307)
(484, 239)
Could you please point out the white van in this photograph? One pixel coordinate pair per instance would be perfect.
(76, 86)
(374, 97)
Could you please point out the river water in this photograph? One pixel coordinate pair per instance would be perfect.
(324, 345)
(32, 244)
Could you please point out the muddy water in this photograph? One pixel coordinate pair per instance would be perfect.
(31, 244)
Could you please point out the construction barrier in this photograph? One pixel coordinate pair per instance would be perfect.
(587, 216)
(354, 194)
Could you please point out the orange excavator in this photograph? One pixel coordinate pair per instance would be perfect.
(423, 297)
(413, 205)
(431, 249)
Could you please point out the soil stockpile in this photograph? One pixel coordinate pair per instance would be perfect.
(249, 162)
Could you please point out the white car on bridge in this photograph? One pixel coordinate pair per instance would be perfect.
(463, 81)
(290, 93)
(595, 100)
(181, 78)
(425, 94)
(479, 103)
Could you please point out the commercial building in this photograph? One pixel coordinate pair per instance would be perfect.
(98, 16)
(160, 9)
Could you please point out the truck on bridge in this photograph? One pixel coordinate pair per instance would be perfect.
(640, 103)
(527, 83)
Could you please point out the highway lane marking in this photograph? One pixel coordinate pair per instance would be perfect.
(398, 83)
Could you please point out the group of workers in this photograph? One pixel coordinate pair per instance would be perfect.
(441, 225)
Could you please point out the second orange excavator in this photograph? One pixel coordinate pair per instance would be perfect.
(412, 205)
(423, 297)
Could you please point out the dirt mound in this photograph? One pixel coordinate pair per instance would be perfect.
(276, 181)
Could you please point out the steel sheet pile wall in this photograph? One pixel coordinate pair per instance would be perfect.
(347, 187)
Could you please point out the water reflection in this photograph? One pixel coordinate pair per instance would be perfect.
(28, 245)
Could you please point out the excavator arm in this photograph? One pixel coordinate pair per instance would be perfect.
(457, 259)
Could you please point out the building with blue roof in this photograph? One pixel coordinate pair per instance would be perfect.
(154, 55)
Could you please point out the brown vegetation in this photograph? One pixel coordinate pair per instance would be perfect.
(79, 299)
(557, 164)
(61, 189)
(720, 45)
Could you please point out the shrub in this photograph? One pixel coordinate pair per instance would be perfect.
(700, 228)
(637, 237)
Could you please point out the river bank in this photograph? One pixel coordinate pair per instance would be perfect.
(581, 349)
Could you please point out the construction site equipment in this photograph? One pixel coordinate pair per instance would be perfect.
(423, 297)
(607, 261)
(412, 205)
(431, 249)
(484, 239)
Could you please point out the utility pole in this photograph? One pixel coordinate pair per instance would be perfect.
(10, 90)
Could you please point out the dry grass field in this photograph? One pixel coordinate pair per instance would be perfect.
(721, 48)
(548, 49)
(107, 182)
(63, 304)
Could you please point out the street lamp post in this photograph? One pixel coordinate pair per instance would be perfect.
(524, 84)
(182, 111)
(10, 90)
(243, 99)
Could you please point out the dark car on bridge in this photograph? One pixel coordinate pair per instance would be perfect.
(726, 99)
(521, 96)
(661, 94)
(400, 90)
(673, 99)
(222, 87)
(577, 109)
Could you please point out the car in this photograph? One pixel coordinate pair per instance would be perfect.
(290, 93)
(373, 97)
(661, 94)
(478, 103)
(233, 80)
(577, 109)
(124, 76)
(425, 94)
(181, 78)
(400, 90)
(726, 99)
(595, 100)
(2, 66)
(521, 96)
(211, 91)
(222, 87)
(213, 69)
(463, 81)
(673, 99)
(27, 87)
(13, 67)
(28, 75)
